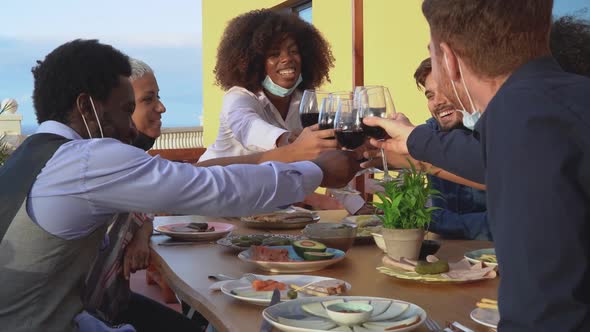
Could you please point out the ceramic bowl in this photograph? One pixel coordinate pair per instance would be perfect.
(349, 313)
(338, 236)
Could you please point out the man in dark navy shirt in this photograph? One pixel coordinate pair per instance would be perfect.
(493, 56)
(462, 212)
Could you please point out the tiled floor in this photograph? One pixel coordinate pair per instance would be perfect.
(139, 285)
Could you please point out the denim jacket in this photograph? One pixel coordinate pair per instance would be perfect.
(462, 212)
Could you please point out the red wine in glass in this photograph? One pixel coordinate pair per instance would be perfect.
(350, 139)
(309, 119)
(327, 121)
(375, 132)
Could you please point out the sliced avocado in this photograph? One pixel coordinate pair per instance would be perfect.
(440, 266)
(317, 256)
(302, 246)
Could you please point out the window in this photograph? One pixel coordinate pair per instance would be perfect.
(299, 7)
(304, 11)
(565, 7)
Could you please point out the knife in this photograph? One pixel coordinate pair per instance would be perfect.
(276, 298)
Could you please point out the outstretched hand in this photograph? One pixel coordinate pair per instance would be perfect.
(398, 127)
(312, 142)
(339, 167)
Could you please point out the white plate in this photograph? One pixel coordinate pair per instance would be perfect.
(293, 266)
(292, 310)
(249, 222)
(486, 317)
(245, 285)
(221, 230)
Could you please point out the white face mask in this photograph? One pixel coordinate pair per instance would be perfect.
(469, 119)
(97, 120)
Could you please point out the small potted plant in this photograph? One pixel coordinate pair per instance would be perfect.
(405, 214)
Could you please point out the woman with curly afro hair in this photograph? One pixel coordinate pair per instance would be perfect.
(264, 62)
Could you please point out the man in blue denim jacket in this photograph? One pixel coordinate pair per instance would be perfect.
(462, 212)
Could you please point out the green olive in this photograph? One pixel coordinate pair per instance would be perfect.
(291, 294)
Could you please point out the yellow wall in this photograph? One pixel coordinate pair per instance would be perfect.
(395, 39)
(395, 36)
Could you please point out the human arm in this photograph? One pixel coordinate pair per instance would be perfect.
(308, 145)
(123, 178)
(137, 252)
(457, 152)
(242, 111)
(403, 161)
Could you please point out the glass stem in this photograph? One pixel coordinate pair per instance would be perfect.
(385, 167)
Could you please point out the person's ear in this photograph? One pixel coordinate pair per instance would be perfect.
(83, 106)
(450, 61)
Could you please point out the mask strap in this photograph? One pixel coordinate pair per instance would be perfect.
(86, 124)
(453, 83)
(96, 115)
(467, 90)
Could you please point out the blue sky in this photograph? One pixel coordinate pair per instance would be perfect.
(165, 34)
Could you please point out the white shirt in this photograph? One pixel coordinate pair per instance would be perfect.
(88, 180)
(250, 123)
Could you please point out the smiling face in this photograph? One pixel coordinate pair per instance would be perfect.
(148, 110)
(440, 107)
(283, 63)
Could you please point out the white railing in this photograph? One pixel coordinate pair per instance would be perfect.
(180, 138)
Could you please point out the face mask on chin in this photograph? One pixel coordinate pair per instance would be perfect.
(143, 141)
(469, 119)
(278, 90)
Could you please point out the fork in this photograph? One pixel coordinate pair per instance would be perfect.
(251, 277)
(432, 325)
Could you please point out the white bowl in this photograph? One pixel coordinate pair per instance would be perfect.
(349, 313)
(379, 241)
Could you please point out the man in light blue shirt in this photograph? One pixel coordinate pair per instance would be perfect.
(83, 94)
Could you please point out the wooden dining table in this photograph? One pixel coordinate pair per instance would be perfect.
(186, 269)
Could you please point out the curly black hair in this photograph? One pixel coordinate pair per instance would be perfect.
(79, 66)
(241, 55)
(570, 44)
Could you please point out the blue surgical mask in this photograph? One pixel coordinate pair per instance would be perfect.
(469, 119)
(278, 90)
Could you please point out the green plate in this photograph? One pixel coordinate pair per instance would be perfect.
(475, 256)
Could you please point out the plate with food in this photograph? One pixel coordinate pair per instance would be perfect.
(302, 256)
(291, 286)
(486, 313)
(487, 256)
(196, 231)
(243, 242)
(366, 226)
(435, 270)
(290, 218)
(345, 313)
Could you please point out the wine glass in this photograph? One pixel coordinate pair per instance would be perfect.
(349, 132)
(376, 101)
(309, 108)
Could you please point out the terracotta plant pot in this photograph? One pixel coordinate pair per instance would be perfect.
(403, 242)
